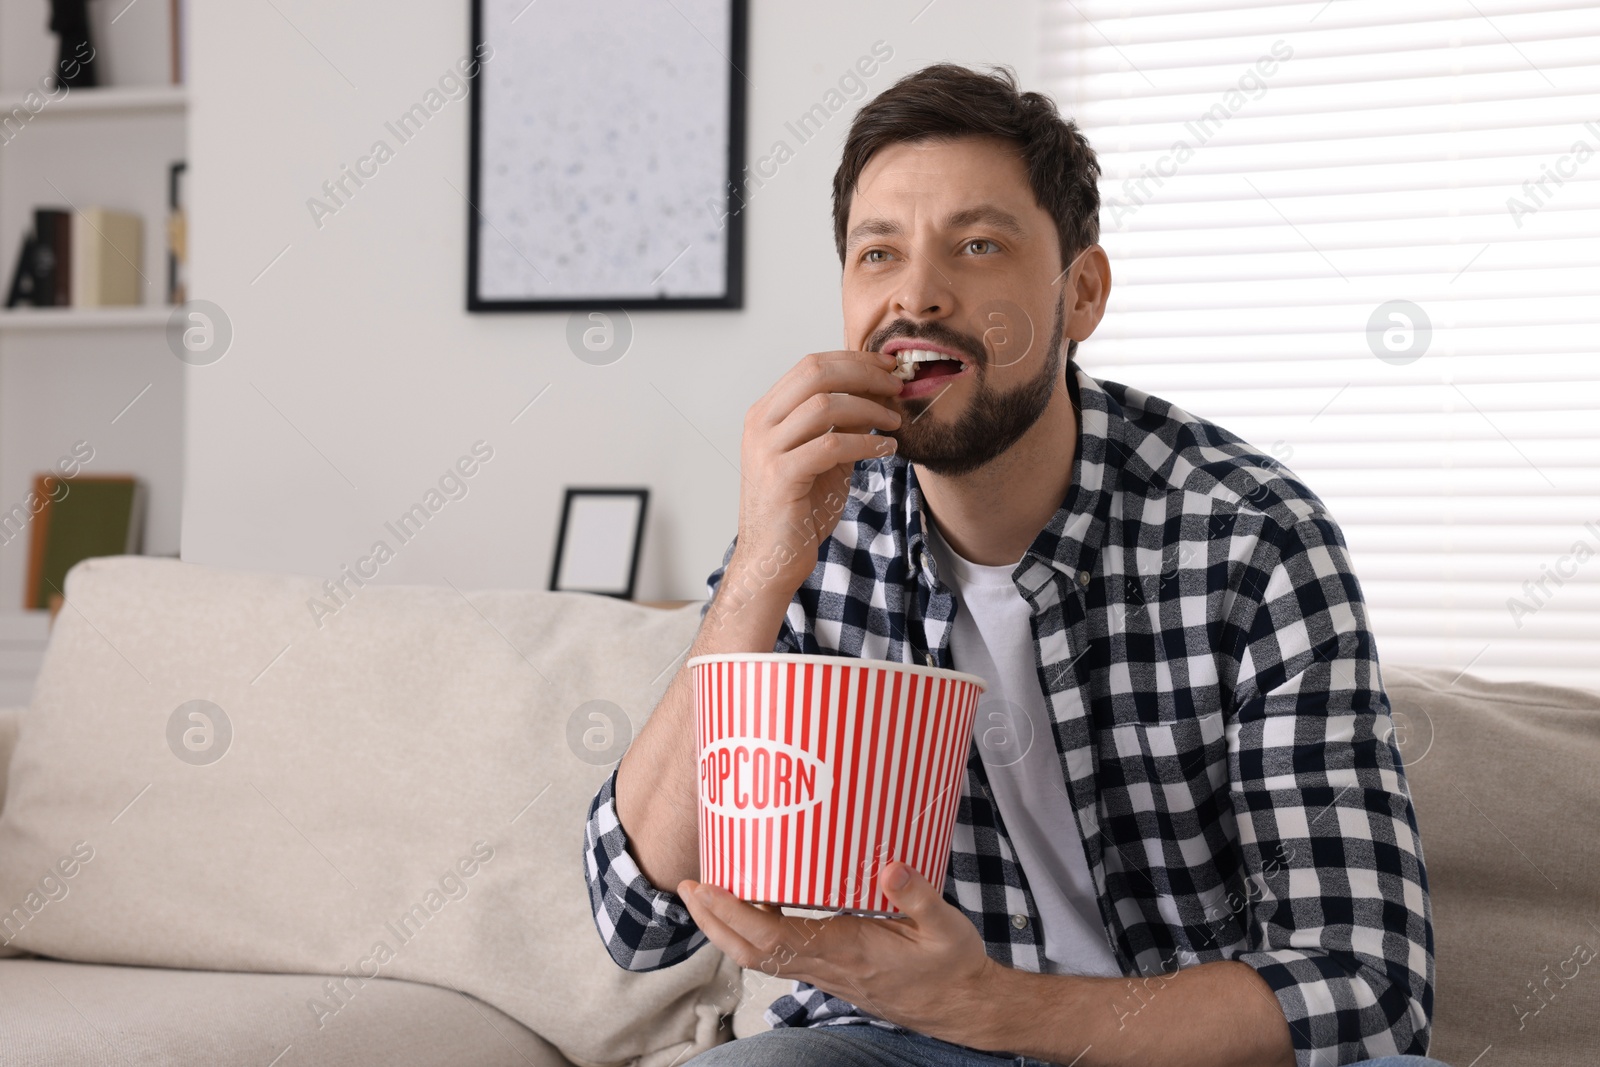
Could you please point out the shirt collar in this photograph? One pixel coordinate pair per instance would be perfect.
(1069, 544)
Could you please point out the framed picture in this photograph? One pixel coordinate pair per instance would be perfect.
(607, 155)
(597, 547)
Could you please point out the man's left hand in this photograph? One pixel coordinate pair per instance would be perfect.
(923, 971)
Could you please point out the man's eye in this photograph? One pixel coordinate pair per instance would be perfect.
(869, 253)
(981, 241)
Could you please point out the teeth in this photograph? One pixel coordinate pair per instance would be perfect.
(907, 359)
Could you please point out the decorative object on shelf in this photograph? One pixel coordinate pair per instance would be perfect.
(21, 289)
(597, 547)
(76, 518)
(177, 235)
(69, 19)
(606, 156)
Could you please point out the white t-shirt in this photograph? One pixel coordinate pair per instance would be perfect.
(993, 638)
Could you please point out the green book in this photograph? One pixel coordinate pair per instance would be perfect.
(95, 517)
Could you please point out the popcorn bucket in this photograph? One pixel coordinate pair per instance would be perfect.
(815, 771)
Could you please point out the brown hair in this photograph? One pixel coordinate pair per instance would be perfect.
(946, 101)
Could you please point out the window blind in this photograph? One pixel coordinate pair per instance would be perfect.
(1365, 236)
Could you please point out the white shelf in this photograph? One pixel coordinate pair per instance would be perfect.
(152, 316)
(146, 99)
(23, 628)
(23, 637)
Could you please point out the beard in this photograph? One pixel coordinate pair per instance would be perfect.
(992, 422)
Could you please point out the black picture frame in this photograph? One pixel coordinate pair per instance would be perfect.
(563, 531)
(733, 291)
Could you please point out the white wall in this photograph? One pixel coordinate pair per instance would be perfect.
(356, 378)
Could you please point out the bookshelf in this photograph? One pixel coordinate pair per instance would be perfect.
(99, 375)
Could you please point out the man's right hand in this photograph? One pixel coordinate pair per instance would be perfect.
(801, 442)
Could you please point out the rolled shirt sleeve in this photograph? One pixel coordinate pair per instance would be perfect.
(643, 928)
(1346, 939)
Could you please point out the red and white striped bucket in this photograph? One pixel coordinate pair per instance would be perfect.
(815, 771)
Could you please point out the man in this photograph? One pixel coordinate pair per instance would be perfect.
(1192, 843)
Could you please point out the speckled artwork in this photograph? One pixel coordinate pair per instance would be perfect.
(603, 150)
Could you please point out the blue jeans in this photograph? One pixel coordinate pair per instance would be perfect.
(865, 1045)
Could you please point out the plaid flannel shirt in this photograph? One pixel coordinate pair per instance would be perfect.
(1224, 736)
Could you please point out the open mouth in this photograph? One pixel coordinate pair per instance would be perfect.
(919, 364)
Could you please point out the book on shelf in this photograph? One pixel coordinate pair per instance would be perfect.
(79, 518)
(52, 251)
(177, 235)
(106, 246)
(178, 19)
(90, 260)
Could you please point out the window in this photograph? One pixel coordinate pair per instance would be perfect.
(1366, 237)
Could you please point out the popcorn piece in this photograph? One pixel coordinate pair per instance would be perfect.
(907, 359)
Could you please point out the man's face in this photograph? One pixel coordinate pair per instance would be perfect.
(947, 248)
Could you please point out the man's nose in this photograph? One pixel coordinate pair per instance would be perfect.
(923, 290)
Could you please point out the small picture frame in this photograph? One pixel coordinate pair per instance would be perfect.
(598, 543)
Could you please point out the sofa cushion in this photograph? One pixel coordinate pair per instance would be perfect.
(400, 792)
(1503, 778)
(757, 991)
(9, 718)
(88, 1015)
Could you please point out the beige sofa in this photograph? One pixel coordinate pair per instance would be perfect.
(410, 768)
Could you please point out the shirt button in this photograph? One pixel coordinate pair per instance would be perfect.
(1019, 921)
(1083, 578)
